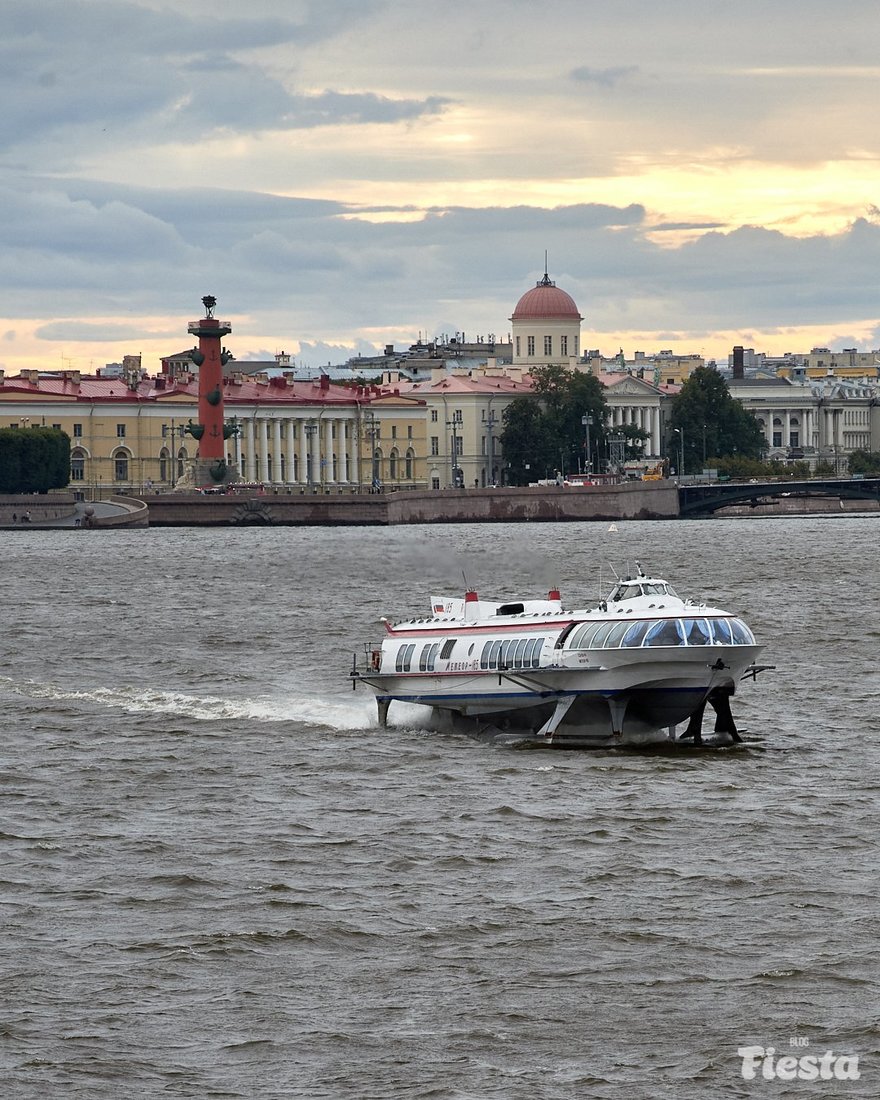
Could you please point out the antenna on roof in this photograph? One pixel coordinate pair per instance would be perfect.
(546, 280)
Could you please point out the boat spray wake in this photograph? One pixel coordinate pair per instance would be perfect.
(314, 710)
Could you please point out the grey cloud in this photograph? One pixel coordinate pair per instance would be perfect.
(605, 78)
(92, 331)
(297, 270)
(114, 75)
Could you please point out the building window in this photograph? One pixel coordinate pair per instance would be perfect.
(120, 431)
(435, 482)
(434, 415)
(57, 427)
(77, 431)
(120, 467)
(531, 347)
(409, 431)
(517, 347)
(409, 464)
(435, 444)
(392, 465)
(77, 466)
(394, 431)
(563, 345)
(548, 345)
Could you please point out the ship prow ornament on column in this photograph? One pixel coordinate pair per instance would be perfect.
(210, 467)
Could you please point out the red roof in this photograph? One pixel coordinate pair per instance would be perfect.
(277, 391)
(546, 300)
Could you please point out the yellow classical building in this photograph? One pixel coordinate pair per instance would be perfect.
(129, 433)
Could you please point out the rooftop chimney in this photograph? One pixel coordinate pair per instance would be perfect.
(738, 368)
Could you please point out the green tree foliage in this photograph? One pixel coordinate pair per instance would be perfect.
(33, 460)
(713, 423)
(543, 433)
(865, 462)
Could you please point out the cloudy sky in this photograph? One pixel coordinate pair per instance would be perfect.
(342, 174)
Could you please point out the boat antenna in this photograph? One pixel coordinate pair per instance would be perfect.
(614, 571)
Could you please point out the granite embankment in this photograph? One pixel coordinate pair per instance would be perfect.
(538, 504)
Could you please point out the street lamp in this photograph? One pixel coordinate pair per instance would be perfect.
(455, 423)
(617, 452)
(372, 430)
(587, 422)
(491, 421)
(680, 433)
(177, 432)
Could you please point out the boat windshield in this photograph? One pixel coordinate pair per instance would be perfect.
(628, 590)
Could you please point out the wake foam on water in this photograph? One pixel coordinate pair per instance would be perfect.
(309, 709)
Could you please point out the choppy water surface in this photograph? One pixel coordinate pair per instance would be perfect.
(219, 878)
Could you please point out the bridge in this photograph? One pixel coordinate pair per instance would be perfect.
(707, 498)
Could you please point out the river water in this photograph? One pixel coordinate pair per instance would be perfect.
(220, 879)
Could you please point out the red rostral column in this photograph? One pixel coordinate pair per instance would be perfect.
(210, 358)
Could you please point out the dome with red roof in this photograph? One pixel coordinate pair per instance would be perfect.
(546, 300)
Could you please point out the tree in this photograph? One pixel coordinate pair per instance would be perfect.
(33, 460)
(545, 431)
(865, 462)
(706, 422)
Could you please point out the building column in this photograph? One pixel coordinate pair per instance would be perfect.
(356, 449)
(291, 451)
(303, 453)
(655, 430)
(276, 451)
(328, 452)
(249, 473)
(786, 428)
(263, 439)
(343, 449)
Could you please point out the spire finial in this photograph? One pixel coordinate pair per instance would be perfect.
(546, 281)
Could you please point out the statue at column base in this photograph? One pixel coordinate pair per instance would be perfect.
(207, 473)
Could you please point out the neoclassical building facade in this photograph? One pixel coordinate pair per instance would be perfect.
(130, 435)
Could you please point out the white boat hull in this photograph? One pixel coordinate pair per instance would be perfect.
(629, 696)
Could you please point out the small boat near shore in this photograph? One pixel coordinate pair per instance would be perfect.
(629, 671)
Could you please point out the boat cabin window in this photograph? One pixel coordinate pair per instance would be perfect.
(601, 634)
(583, 636)
(628, 590)
(665, 632)
(660, 632)
(512, 653)
(428, 656)
(635, 635)
(510, 609)
(404, 657)
(697, 632)
(446, 651)
(741, 633)
(612, 641)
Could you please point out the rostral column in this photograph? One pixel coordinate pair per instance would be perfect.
(210, 466)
